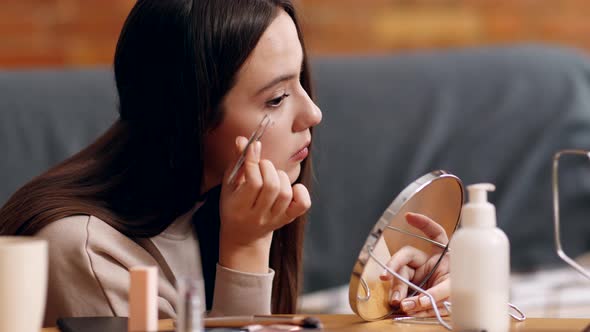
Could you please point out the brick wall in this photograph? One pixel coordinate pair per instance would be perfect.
(59, 32)
(336, 26)
(82, 32)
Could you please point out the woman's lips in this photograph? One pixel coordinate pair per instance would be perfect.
(301, 154)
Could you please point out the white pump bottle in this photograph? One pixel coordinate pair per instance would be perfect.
(480, 267)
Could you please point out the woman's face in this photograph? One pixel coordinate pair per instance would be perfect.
(267, 83)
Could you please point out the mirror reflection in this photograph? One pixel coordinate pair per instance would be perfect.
(410, 238)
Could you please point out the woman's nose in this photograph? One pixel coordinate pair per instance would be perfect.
(309, 115)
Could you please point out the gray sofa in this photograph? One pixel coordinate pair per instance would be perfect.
(485, 114)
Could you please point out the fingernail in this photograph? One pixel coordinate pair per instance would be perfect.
(394, 297)
(408, 305)
(424, 301)
(258, 147)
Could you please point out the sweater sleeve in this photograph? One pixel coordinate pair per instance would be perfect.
(241, 293)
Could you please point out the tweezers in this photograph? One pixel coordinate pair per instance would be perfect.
(256, 135)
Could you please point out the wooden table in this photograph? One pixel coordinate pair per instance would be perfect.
(353, 323)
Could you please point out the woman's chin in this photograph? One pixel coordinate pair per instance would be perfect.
(293, 173)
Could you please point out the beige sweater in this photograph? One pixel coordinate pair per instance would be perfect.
(89, 264)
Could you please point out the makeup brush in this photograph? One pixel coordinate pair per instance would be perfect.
(307, 322)
(256, 135)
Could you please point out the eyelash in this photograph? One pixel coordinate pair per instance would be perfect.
(277, 102)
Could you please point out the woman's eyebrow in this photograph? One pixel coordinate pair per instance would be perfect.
(279, 79)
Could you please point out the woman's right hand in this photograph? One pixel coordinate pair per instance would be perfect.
(259, 201)
(414, 265)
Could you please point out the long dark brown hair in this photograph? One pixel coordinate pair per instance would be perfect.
(175, 61)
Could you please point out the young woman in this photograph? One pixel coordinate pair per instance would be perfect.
(194, 78)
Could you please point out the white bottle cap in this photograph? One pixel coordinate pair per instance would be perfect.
(478, 212)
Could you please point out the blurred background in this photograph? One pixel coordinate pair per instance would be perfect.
(84, 32)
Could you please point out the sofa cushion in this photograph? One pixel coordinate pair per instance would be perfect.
(48, 115)
(484, 114)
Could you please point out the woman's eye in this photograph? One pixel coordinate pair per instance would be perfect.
(276, 102)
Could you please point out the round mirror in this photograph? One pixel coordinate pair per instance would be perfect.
(438, 196)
